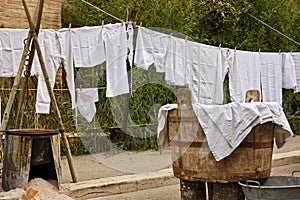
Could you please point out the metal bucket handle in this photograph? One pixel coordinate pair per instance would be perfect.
(253, 183)
(295, 171)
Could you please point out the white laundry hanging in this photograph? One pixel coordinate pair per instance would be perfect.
(88, 46)
(94, 45)
(151, 48)
(296, 59)
(65, 40)
(288, 71)
(201, 67)
(51, 55)
(271, 77)
(244, 74)
(175, 66)
(11, 49)
(207, 68)
(86, 98)
(115, 39)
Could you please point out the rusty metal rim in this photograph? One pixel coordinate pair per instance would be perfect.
(32, 132)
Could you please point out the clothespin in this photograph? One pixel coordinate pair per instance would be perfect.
(220, 45)
(234, 48)
(70, 24)
(41, 26)
(141, 23)
(102, 23)
(186, 38)
(259, 50)
(80, 87)
(122, 22)
(279, 51)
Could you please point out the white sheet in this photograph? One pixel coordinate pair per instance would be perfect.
(296, 59)
(226, 126)
(151, 48)
(52, 58)
(288, 71)
(86, 98)
(175, 66)
(206, 70)
(271, 77)
(65, 40)
(11, 49)
(115, 40)
(244, 74)
(88, 46)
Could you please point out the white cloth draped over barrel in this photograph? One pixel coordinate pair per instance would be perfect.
(226, 126)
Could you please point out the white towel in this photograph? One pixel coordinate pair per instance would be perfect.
(175, 67)
(271, 77)
(11, 49)
(162, 134)
(226, 126)
(64, 38)
(296, 59)
(87, 45)
(151, 48)
(86, 98)
(51, 56)
(206, 70)
(116, 53)
(244, 74)
(288, 71)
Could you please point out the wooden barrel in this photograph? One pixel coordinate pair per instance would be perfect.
(28, 152)
(193, 161)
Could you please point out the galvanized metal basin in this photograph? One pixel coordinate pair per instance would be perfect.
(272, 188)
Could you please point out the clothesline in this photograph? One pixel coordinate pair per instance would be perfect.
(91, 46)
(102, 10)
(277, 31)
(55, 89)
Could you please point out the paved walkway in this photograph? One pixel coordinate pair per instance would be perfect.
(97, 166)
(106, 175)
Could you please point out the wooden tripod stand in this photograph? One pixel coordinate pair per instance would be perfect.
(33, 40)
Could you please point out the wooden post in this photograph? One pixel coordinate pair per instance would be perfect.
(52, 97)
(192, 190)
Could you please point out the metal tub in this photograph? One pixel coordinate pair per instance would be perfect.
(273, 188)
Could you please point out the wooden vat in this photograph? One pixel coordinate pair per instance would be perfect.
(193, 161)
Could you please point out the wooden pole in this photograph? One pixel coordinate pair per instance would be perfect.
(52, 97)
(14, 90)
(18, 76)
(23, 95)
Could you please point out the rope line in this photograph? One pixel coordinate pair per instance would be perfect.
(102, 10)
(264, 23)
